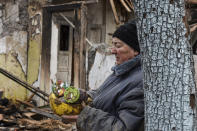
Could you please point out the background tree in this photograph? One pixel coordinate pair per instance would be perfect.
(168, 65)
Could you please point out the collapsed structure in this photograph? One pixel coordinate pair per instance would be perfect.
(44, 40)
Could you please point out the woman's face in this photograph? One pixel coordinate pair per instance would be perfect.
(122, 51)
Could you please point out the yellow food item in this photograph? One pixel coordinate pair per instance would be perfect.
(61, 108)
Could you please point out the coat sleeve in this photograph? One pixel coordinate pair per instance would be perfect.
(92, 93)
(130, 115)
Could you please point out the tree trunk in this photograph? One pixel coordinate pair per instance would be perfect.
(168, 65)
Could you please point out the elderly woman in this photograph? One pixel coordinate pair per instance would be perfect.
(118, 105)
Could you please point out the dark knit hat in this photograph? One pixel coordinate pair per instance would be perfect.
(128, 34)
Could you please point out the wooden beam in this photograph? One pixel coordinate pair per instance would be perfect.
(88, 41)
(67, 20)
(44, 113)
(68, 6)
(191, 1)
(76, 50)
(73, 3)
(125, 5)
(193, 28)
(130, 4)
(61, 7)
(83, 46)
(114, 11)
(25, 103)
(46, 50)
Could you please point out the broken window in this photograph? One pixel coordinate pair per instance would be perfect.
(64, 38)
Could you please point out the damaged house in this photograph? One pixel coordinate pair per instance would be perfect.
(44, 40)
(48, 40)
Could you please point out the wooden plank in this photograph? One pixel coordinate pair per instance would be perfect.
(83, 28)
(1, 117)
(103, 28)
(73, 4)
(64, 118)
(70, 54)
(30, 97)
(46, 47)
(193, 28)
(29, 114)
(48, 124)
(25, 103)
(130, 4)
(62, 7)
(45, 113)
(191, 1)
(67, 20)
(76, 68)
(125, 5)
(114, 12)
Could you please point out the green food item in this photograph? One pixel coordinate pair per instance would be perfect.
(71, 95)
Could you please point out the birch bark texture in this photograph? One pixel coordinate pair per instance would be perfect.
(167, 64)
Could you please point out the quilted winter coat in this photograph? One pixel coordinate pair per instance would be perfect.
(118, 105)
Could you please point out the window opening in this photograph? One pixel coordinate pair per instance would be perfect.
(64, 38)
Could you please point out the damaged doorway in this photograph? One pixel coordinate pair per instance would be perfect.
(62, 42)
(66, 62)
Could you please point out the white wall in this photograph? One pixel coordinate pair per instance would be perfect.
(101, 69)
(54, 51)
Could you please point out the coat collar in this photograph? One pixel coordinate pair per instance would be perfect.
(126, 66)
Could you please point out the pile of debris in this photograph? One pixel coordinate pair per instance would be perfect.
(22, 115)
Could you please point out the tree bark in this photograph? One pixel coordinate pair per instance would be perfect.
(168, 65)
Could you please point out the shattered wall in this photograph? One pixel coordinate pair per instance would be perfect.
(101, 25)
(35, 45)
(100, 28)
(13, 46)
(21, 43)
